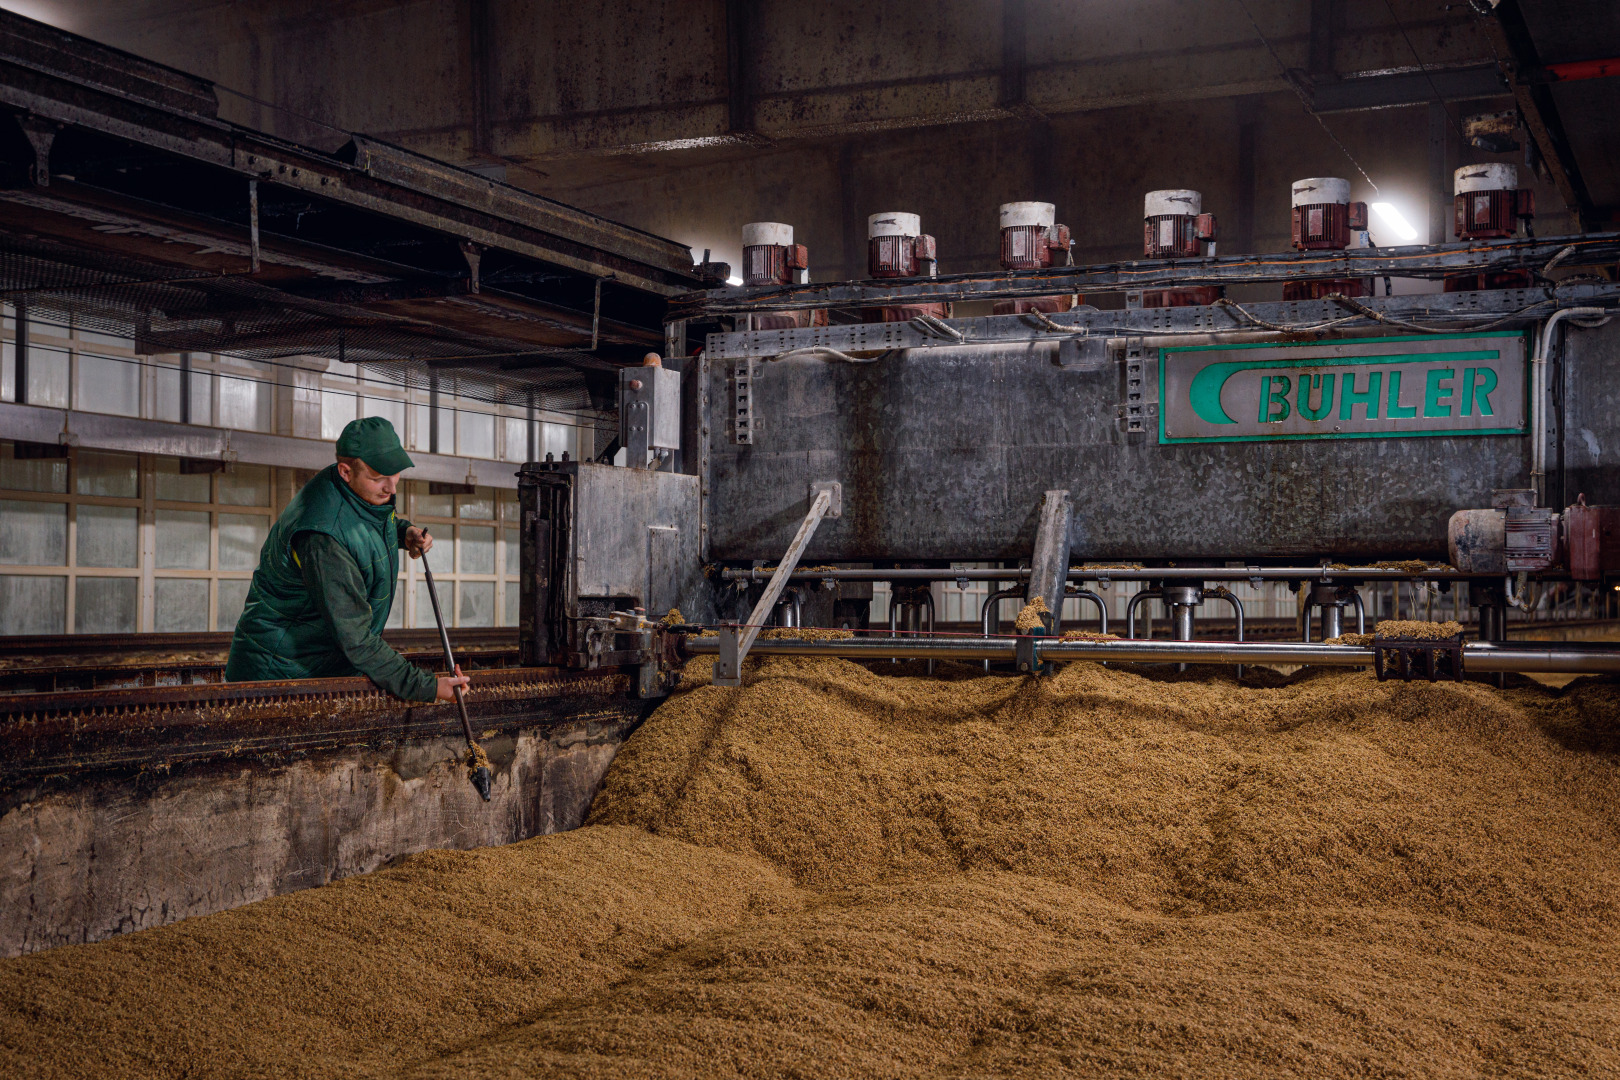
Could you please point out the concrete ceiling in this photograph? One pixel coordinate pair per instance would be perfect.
(688, 117)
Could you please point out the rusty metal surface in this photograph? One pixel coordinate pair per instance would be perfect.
(72, 733)
(1417, 261)
(57, 662)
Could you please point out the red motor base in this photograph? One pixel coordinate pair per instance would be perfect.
(1317, 290)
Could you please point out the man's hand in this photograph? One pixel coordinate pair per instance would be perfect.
(447, 683)
(418, 543)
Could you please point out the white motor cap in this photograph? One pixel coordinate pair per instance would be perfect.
(1043, 214)
(1321, 189)
(1491, 177)
(893, 223)
(773, 233)
(1172, 201)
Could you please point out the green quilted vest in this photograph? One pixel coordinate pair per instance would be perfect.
(281, 634)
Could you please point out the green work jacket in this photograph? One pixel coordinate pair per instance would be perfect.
(286, 630)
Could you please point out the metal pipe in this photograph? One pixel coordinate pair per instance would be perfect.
(989, 608)
(1130, 610)
(1102, 606)
(1142, 573)
(1361, 611)
(1332, 621)
(1538, 394)
(1220, 592)
(1478, 657)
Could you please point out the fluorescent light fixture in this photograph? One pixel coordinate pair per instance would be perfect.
(1392, 217)
(738, 280)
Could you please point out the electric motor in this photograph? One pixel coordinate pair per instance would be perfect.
(770, 257)
(1323, 214)
(1489, 202)
(1174, 225)
(898, 248)
(1029, 238)
(1032, 240)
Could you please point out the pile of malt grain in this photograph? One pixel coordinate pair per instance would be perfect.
(834, 872)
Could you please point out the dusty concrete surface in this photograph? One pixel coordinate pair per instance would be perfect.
(121, 853)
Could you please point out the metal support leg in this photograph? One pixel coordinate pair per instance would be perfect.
(989, 613)
(1220, 592)
(1049, 568)
(1102, 606)
(819, 506)
(1130, 609)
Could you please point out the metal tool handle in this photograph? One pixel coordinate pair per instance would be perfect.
(444, 639)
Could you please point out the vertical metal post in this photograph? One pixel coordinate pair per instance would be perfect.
(20, 309)
(728, 672)
(253, 220)
(596, 315)
(529, 430)
(1049, 566)
(433, 414)
(185, 388)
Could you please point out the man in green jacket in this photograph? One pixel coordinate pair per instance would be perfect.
(326, 577)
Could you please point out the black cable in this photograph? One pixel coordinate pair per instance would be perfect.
(1283, 69)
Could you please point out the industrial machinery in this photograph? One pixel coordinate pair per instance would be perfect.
(770, 257)
(1323, 218)
(1490, 205)
(1174, 226)
(1031, 239)
(1324, 442)
(896, 247)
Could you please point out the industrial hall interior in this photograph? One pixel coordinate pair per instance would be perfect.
(743, 539)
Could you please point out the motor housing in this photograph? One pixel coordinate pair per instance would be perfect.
(770, 257)
(1323, 214)
(1174, 225)
(1031, 239)
(896, 247)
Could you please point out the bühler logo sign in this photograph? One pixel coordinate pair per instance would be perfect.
(1367, 388)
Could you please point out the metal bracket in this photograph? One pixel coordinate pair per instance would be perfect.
(835, 507)
(1138, 413)
(1026, 654)
(744, 423)
(728, 668)
(1089, 353)
(821, 499)
(474, 254)
(40, 134)
(1406, 657)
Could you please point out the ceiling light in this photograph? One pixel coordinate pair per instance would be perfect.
(1392, 217)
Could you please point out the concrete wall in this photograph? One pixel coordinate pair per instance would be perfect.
(691, 117)
(118, 854)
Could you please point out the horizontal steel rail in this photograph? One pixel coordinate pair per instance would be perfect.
(1421, 261)
(1138, 573)
(1458, 311)
(1478, 656)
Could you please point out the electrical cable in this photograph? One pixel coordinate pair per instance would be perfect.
(1283, 69)
(828, 351)
(1457, 124)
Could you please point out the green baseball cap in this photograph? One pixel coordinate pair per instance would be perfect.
(372, 440)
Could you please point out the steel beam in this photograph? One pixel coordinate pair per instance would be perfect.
(1419, 261)
(1407, 88)
(1459, 311)
(1343, 574)
(1561, 657)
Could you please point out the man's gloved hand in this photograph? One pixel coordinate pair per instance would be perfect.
(448, 684)
(417, 543)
